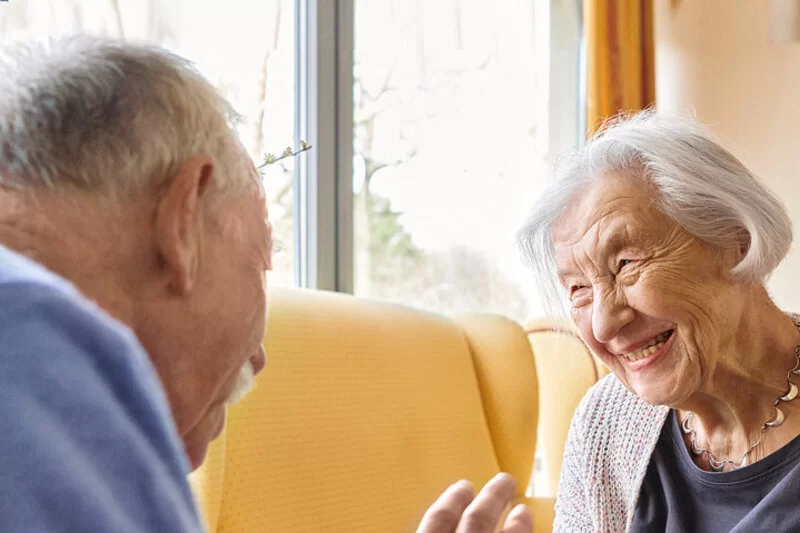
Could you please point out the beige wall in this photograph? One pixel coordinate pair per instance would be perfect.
(716, 57)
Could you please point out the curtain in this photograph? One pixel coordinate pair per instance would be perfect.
(620, 58)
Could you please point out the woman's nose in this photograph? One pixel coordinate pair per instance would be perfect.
(610, 313)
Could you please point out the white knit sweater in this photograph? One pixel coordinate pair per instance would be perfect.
(612, 436)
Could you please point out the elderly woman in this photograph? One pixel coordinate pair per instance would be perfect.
(662, 241)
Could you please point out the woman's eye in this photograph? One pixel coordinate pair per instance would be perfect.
(624, 262)
(575, 289)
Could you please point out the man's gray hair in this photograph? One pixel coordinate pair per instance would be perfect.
(108, 116)
(698, 183)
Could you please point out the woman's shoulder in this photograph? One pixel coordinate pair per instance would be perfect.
(612, 410)
(613, 435)
(609, 392)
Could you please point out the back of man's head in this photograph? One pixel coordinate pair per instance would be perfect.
(107, 116)
(121, 171)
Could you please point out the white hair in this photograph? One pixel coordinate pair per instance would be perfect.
(108, 116)
(698, 184)
(245, 382)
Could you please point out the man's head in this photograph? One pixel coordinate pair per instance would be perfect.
(120, 169)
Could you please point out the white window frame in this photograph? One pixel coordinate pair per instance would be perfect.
(324, 179)
(567, 77)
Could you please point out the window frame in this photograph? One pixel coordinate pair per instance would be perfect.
(324, 37)
(324, 180)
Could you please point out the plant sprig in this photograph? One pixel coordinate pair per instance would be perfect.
(270, 159)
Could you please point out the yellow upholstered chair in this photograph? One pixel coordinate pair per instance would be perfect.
(566, 370)
(365, 412)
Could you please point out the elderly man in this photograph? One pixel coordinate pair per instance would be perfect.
(134, 244)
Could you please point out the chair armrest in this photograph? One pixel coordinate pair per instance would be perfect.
(544, 513)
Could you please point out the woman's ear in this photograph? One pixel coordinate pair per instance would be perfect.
(743, 237)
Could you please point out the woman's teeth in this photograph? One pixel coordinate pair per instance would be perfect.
(650, 348)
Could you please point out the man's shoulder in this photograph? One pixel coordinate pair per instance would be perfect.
(57, 341)
(49, 334)
(88, 432)
(18, 270)
(39, 307)
(33, 297)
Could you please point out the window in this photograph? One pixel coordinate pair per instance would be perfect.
(257, 74)
(451, 127)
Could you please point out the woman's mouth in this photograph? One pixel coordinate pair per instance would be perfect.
(649, 349)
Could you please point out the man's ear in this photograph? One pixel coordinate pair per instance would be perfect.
(179, 217)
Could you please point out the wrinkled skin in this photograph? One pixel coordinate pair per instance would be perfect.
(631, 274)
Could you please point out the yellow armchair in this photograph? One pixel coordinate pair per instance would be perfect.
(365, 412)
(566, 370)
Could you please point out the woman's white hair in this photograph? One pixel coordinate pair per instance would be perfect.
(108, 116)
(698, 184)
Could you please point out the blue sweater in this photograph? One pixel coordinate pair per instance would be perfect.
(87, 442)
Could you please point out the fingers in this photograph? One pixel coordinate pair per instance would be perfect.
(520, 520)
(443, 516)
(458, 510)
(483, 514)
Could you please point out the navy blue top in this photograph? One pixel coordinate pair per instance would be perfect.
(87, 442)
(678, 496)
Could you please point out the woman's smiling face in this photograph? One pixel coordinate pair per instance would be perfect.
(653, 302)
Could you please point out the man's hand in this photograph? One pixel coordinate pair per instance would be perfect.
(458, 510)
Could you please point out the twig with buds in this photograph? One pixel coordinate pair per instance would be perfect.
(269, 159)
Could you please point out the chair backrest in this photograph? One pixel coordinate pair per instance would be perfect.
(566, 369)
(365, 412)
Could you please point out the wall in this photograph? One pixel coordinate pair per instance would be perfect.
(716, 56)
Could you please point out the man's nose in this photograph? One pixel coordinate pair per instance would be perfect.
(259, 360)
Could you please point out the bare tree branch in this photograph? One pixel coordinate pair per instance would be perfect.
(117, 18)
(457, 13)
(159, 26)
(281, 193)
(258, 135)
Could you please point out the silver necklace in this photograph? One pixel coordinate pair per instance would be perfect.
(718, 465)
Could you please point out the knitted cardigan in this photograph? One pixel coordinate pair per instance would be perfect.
(611, 439)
